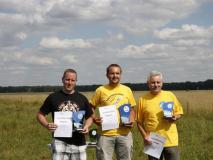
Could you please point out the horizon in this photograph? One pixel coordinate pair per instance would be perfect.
(106, 83)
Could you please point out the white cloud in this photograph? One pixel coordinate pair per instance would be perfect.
(21, 35)
(189, 43)
(81, 9)
(145, 51)
(54, 42)
(192, 43)
(132, 15)
(132, 50)
(139, 17)
(38, 60)
(187, 35)
(186, 31)
(69, 58)
(14, 57)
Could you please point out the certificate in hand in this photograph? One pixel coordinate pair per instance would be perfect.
(109, 116)
(64, 123)
(155, 149)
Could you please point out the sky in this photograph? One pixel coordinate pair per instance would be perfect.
(39, 39)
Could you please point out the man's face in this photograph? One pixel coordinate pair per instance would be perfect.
(114, 75)
(69, 82)
(155, 84)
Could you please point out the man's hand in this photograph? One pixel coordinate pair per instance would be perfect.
(129, 125)
(173, 118)
(97, 120)
(147, 140)
(85, 130)
(51, 127)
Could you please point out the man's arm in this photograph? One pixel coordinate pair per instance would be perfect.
(132, 115)
(97, 120)
(87, 124)
(43, 121)
(144, 134)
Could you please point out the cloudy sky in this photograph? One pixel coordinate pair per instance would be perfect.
(41, 38)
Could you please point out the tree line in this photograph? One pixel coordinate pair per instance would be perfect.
(204, 85)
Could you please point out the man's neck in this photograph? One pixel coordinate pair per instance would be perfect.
(68, 92)
(155, 93)
(113, 85)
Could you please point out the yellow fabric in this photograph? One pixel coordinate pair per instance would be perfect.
(119, 95)
(150, 115)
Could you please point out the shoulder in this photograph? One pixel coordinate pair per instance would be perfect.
(169, 93)
(125, 87)
(80, 95)
(145, 96)
(54, 94)
(101, 88)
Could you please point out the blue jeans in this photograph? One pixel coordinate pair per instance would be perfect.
(168, 153)
(122, 144)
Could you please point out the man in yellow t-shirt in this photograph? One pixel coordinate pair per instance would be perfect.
(119, 139)
(151, 117)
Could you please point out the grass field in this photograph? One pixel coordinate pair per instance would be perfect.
(22, 138)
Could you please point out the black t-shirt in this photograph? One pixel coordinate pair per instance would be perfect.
(60, 101)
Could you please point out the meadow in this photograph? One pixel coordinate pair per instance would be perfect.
(23, 138)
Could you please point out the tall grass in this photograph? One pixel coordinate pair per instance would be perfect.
(22, 138)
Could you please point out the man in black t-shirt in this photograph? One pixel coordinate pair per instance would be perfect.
(67, 100)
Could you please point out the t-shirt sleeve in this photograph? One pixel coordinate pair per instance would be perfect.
(139, 111)
(95, 98)
(178, 109)
(45, 108)
(131, 98)
(88, 109)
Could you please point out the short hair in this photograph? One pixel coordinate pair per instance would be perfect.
(112, 65)
(153, 74)
(69, 70)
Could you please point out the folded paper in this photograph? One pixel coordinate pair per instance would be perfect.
(155, 149)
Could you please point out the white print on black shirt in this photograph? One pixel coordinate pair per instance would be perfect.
(68, 106)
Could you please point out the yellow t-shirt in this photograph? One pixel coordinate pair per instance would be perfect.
(119, 95)
(150, 115)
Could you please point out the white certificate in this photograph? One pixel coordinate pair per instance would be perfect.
(64, 123)
(109, 116)
(155, 149)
